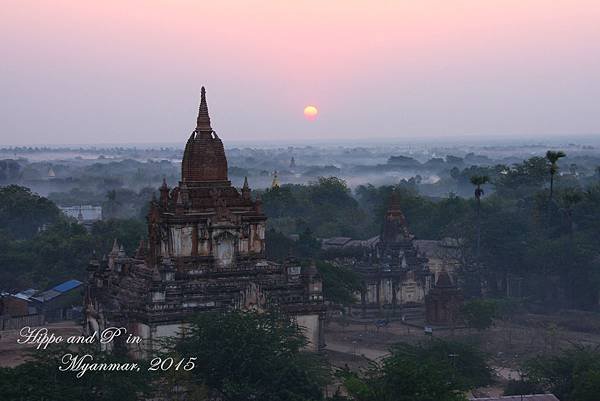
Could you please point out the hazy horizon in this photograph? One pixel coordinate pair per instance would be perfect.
(130, 72)
(475, 140)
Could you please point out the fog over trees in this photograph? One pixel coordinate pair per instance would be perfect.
(526, 220)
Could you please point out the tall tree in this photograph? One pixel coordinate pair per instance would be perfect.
(479, 181)
(553, 157)
(569, 199)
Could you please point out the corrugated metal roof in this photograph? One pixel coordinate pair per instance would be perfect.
(67, 286)
(336, 241)
(26, 294)
(46, 295)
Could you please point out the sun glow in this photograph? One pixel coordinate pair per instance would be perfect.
(310, 113)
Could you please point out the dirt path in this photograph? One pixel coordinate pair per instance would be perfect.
(13, 353)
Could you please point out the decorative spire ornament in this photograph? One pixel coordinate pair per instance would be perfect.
(203, 120)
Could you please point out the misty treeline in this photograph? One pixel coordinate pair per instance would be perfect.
(74, 176)
(522, 239)
(40, 247)
(534, 243)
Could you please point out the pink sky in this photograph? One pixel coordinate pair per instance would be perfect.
(130, 71)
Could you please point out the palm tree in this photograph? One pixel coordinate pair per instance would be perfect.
(553, 157)
(478, 181)
(569, 199)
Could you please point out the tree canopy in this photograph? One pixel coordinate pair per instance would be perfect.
(433, 371)
(251, 355)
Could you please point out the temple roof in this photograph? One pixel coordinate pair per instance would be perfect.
(444, 280)
(204, 156)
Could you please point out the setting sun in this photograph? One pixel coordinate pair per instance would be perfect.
(310, 112)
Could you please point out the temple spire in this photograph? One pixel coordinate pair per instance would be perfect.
(394, 200)
(394, 224)
(275, 183)
(246, 189)
(203, 120)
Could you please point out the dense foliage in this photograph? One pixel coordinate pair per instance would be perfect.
(573, 375)
(479, 313)
(515, 238)
(45, 247)
(433, 371)
(249, 355)
(23, 213)
(326, 207)
(39, 379)
(339, 283)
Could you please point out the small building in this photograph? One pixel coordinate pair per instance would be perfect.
(443, 303)
(393, 272)
(11, 305)
(18, 310)
(59, 302)
(85, 215)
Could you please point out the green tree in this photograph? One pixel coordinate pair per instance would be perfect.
(573, 375)
(479, 313)
(127, 232)
(39, 379)
(553, 157)
(339, 283)
(522, 179)
(251, 355)
(433, 371)
(569, 199)
(478, 181)
(23, 213)
(307, 245)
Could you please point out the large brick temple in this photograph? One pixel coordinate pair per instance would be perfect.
(205, 251)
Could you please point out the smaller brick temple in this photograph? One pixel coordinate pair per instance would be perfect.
(393, 272)
(205, 252)
(443, 303)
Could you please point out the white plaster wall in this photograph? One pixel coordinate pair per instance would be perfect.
(225, 251)
(371, 294)
(145, 347)
(182, 240)
(168, 330)
(204, 247)
(412, 292)
(164, 247)
(310, 327)
(385, 292)
(243, 246)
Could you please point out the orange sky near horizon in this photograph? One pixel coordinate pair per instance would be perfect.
(130, 71)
